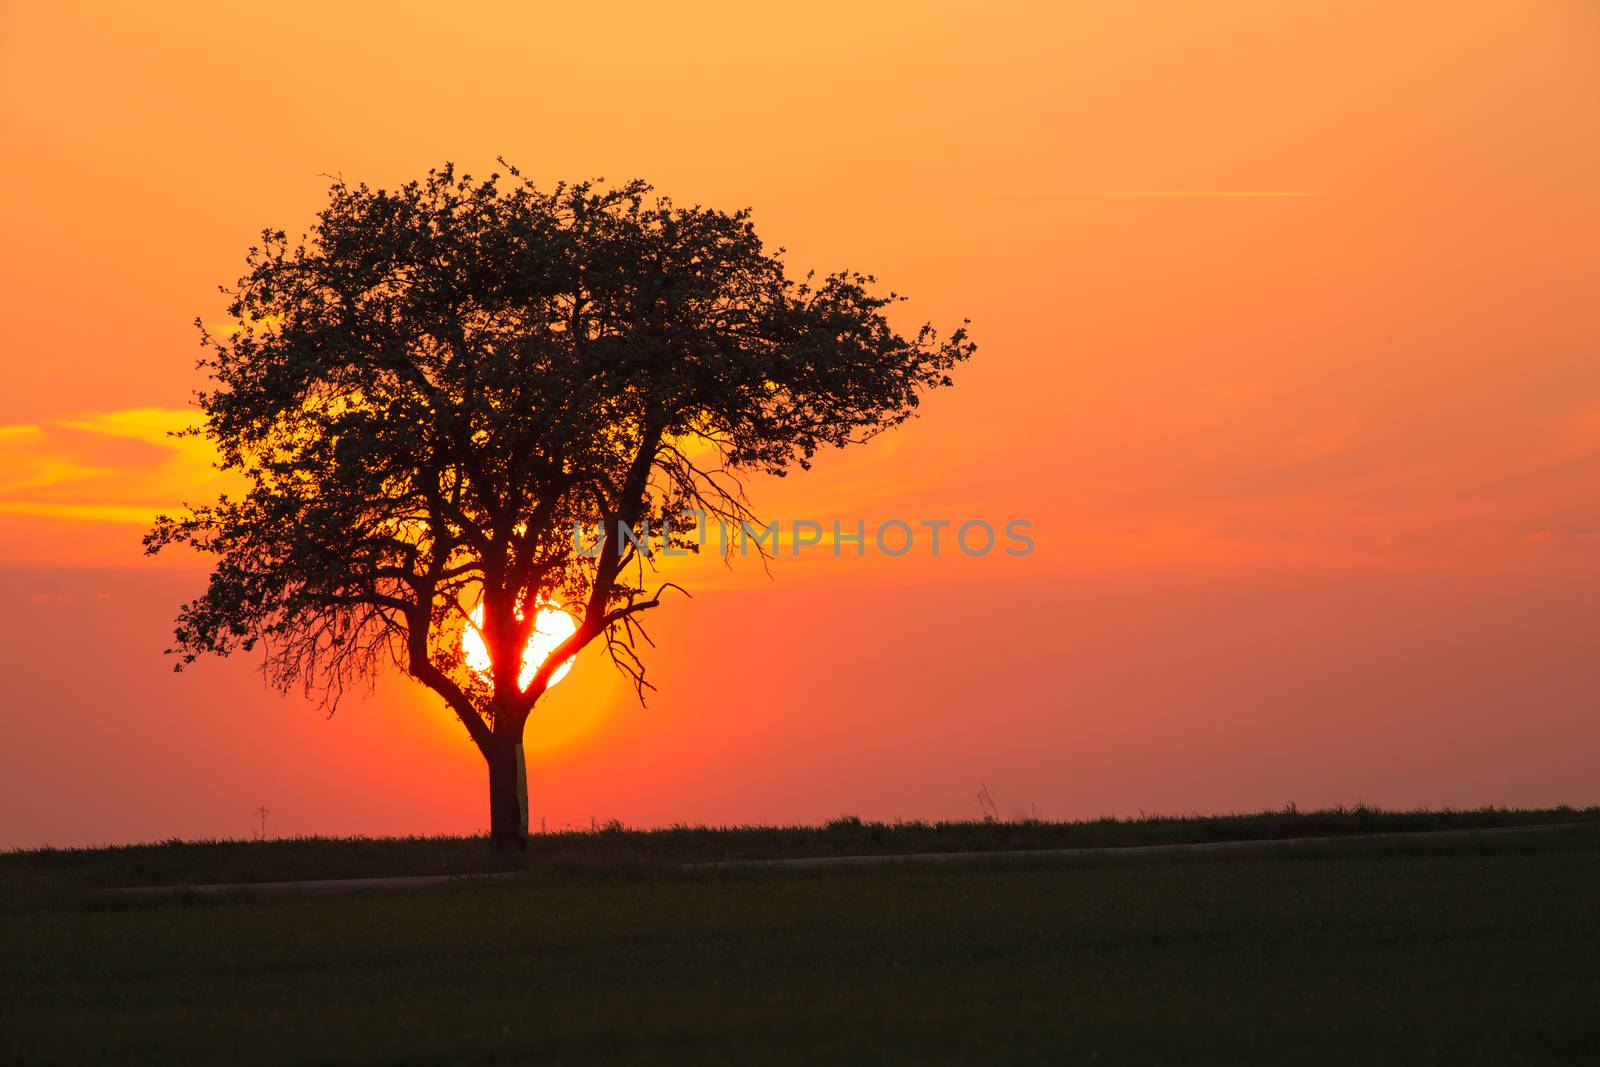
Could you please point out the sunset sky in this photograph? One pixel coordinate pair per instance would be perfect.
(1289, 351)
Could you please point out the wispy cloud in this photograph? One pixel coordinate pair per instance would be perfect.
(103, 467)
(132, 514)
(1160, 194)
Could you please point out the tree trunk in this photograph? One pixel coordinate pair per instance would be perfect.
(508, 797)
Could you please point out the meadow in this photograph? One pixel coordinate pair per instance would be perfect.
(1473, 948)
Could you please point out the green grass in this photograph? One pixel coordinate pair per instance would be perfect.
(1477, 949)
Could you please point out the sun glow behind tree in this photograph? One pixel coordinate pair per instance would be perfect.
(551, 627)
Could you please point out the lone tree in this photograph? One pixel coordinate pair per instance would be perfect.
(427, 393)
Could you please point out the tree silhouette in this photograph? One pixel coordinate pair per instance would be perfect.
(426, 392)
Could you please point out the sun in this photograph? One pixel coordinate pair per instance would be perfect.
(550, 627)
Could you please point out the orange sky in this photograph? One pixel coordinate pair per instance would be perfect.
(1288, 351)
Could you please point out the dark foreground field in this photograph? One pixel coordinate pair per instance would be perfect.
(1464, 949)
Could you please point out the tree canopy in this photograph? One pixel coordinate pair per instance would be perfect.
(429, 389)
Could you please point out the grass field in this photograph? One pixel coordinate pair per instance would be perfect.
(1463, 949)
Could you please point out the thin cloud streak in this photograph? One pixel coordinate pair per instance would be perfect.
(1158, 194)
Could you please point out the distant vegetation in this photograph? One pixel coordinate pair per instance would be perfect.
(613, 846)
